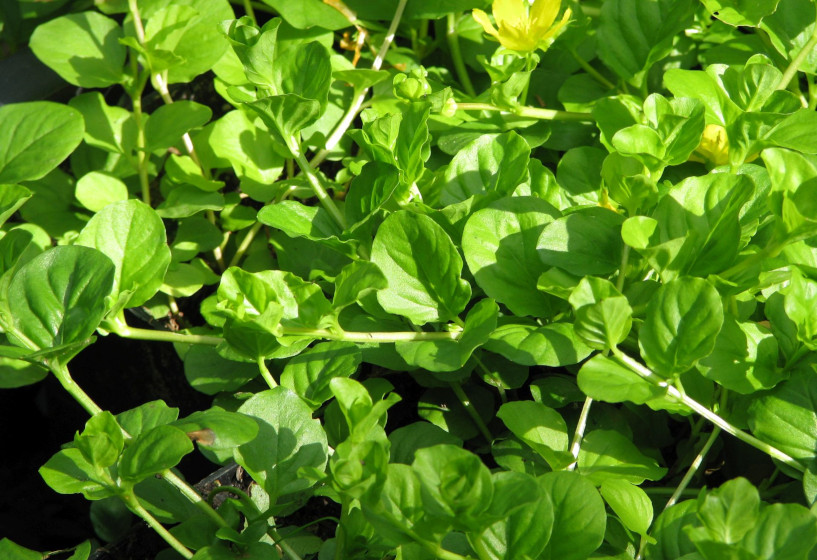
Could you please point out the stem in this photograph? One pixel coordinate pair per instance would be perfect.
(625, 257)
(466, 403)
(166, 336)
(245, 244)
(141, 154)
(531, 112)
(502, 394)
(592, 71)
(382, 337)
(351, 112)
(194, 497)
(693, 468)
(281, 541)
(315, 183)
(794, 65)
(718, 421)
(137, 508)
(250, 11)
(133, 8)
(265, 373)
(456, 54)
(62, 374)
(579, 434)
(523, 97)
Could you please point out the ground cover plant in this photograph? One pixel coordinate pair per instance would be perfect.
(491, 281)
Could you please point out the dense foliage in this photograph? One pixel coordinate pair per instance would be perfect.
(581, 239)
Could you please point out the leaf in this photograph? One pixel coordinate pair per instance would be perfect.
(580, 519)
(370, 190)
(154, 451)
(309, 373)
(168, 123)
(405, 441)
(422, 268)
(286, 114)
(13, 551)
(132, 235)
(249, 148)
(500, 246)
(12, 197)
(603, 379)
(451, 355)
(186, 200)
(96, 190)
(741, 12)
(101, 441)
(305, 71)
(783, 532)
(356, 280)
(585, 242)
(58, 297)
(288, 438)
(682, 323)
(303, 15)
(786, 416)
(96, 60)
(298, 220)
(19, 373)
(731, 511)
(195, 235)
(636, 33)
(672, 541)
(35, 138)
(541, 427)
(629, 502)
(493, 163)
(146, 416)
(67, 472)
(110, 128)
(552, 345)
(218, 429)
(606, 454)
(208, 372)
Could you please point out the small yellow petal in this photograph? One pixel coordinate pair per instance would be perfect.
(482, 19)
(517, 40)
(543, 13)
(510, 13)
(547, 38)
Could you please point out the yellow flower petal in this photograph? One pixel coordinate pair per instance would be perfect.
(543, 13)
(510, 13)
(550, 36)
(482, 19)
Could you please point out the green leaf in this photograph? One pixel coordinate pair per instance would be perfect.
(370, 190)
(524, 530)
(219, 430)
(286, 114)
(681, 327)
(605, 380)
(303, 15)
(97, 58)
(249, 148)
(109, 128)
(18, 373)
(12, 197)
(493, 163)
(208, 372)
(422, 267)
(790, 28)
(186, 200)
(586, 242)
(309, 373)
(195, 235)
(499, 244)
(783, 532)
(298, 220)
(35, 138)
(101, 441)
(636, 33)
(305, 71)
(154, 451)
(541, 427)
(96, 190)
(731, 511)
(67, 472)
(580, 519)
(744, 358)
(288, 438)
(13, 551)
(168, 123)
(629, 502)
(741, 12)
(405, 441)
(355, 281)
(552, 345)
(603, 320)
(786, 416)
(59, 296)
(672, 541)
(132, 235)
(607, 454)
(146, 416)
(456, 485)
(451, 355)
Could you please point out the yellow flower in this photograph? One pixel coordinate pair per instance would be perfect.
(524, 27)
(714, 147)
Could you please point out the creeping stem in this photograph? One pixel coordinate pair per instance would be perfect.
(715, 419)
(795, 63)
(529, 112)
(578, 435)
(137, 508)
(456, 55)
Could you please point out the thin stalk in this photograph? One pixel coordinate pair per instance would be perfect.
(697, 407)
(245, 244)
(794, 65)
(456, 54)
(502, 395)
(530, 112)
(166, 336)
(523, 97)
(250, 11)
(351, 112)
(469, 408)
(194, 497)
(625, 257)
(382, 337)
(281, 541)
(174, 307)
(592, 71)
(133, 7)
(137, 508)
(581, 425)
(141, 153)
(62, 374)
(315, 183)
(265, 373)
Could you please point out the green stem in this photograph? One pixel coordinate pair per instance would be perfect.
(137, 508)
(794, 65)
(245, 244)
(697, 407)
(693, 468)
(281, 541)
(581, 425)
(265, 373)
(530, 112)
(315, 183)
(351, 112)
(134, 333)
(625, 257)
(250, 11)
(456, 54)
(472, 412)
(502, 395)
(382, 337)
(194, 497)
(523, 97)
(62, 374)
(592, 71)
(141, 153)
